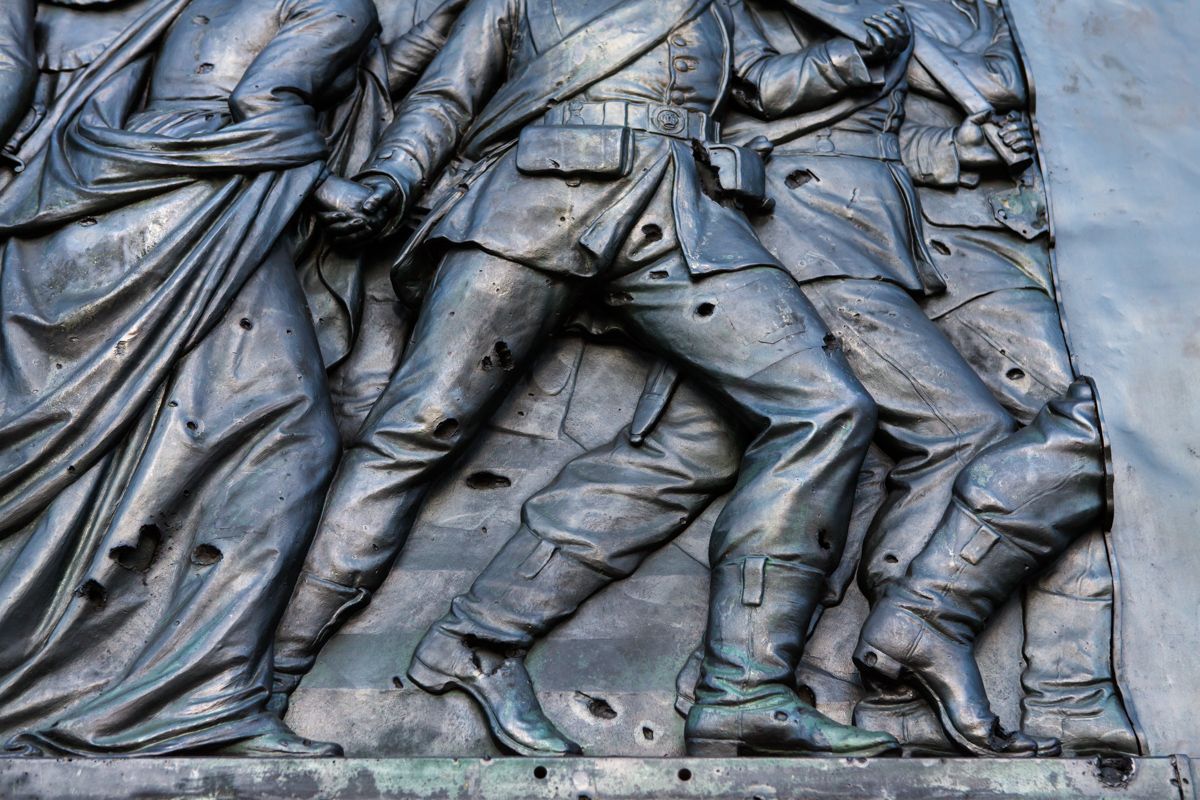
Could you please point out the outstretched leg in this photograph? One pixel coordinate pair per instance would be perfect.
(754, 340)
(482, 319)
(594, 524)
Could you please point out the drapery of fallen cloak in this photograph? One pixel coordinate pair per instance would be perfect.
(163, 407)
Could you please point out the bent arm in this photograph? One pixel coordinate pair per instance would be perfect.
(311, 58)
(772, 85)
(437, 113)
(996, 71)
(411, 53)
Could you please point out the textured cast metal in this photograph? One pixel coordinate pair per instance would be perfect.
(627, 385)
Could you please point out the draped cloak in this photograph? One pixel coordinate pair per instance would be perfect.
(166, 435)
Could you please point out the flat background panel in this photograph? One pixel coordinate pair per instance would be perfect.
(1119, 113)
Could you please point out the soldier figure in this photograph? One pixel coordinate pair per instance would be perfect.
(577, 512)
(589, 173)
(986, 229)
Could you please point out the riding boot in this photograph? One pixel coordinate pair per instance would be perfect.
(746, 703)
(1070, 690)
(479, 646)
(318, 608)
(1016, 508)
(902, 711)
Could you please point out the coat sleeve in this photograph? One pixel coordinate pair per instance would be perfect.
(311, 59)
(996, 70)
(411, 53)
(929, 154)
(18, 68)
(437, 113)
(773, 85)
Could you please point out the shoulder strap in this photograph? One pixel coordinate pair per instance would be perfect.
(595, 51)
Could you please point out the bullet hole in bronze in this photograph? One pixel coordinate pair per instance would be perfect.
(139, 557)
(173, 404)
(446, 428)
(92, 591)
(648, 733)
(619, 298)
(488, 480)
(1115, 772)
(205, 555)
(823, 539)
(1016, 374)
(653, 233)
(870, 659)
(781, 716)
(487, 364)
(830, 343)
(706, 309)
(504, 356)
(191, 425)
(204, 68)
(87, 222)
(891, 558)
(800, 177)
(685, 774)
(246, 324)
(659, 275)
(71, 470)
(598, 707)
(200, 19)
(539, 772)
(396, 682)
(940, 246)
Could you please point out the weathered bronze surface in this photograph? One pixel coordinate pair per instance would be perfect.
(576, 379)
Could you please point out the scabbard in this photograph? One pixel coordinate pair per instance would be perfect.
(660, 385)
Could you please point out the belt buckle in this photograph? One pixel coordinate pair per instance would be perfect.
(669, 121)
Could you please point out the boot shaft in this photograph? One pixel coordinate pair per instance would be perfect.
(758, 619)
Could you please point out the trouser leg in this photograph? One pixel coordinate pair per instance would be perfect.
(482, 319)
(1016, 507)
(598, 520)
(358, 381)
(754, 340)
(934, 413)
(757, 344)
(1014, 340)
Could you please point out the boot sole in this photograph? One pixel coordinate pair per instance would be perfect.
(873, 660)
(436, 682)
(726, 748)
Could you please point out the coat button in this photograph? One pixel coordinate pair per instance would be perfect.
(682, 65)
(679, 41)
(678, 97)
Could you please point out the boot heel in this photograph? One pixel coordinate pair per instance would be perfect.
(429, 680)
(874, 660)
(712, 748)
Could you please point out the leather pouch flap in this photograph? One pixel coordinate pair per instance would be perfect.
(598, 151)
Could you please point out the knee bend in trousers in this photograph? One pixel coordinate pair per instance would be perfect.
(432, 427)
(846, 419)
(979, 424)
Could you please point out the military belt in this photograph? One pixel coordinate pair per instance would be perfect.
(865, 144)
(666, 120)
